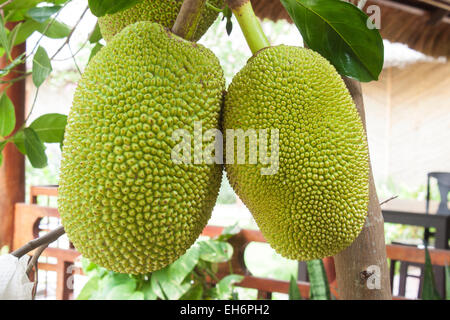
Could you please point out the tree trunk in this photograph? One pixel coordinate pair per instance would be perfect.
(12, 171)
(361, 269)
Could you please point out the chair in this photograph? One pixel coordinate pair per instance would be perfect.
(403, 273)
(443, 180)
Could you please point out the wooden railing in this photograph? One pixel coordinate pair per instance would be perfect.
(28, 217)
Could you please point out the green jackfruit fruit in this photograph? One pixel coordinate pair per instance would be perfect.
(124, 203)
(315, 204)
(163, 12)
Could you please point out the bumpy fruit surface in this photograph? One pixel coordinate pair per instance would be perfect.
(315, 205)
(163, 12)
(124, 203)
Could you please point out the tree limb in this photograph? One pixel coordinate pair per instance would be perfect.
(44, 240)
(187, 20)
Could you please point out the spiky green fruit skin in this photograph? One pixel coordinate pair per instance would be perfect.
(317, 202)
(124, 203)
(163, 12)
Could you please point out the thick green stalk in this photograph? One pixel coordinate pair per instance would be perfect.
(250, 25)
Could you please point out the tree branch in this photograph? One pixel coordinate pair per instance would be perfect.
(70, 34)
(4, 4)
(387, 200)
(33, 262)
(44, 240)
(187, 20)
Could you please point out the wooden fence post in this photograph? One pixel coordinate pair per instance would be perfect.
(12, 171)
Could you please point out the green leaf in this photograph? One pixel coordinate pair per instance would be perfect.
(194, 293)
(429, 291)
(137, 296)
(7, 116)
(320, 289)
(42, 67)
(294, 292)
(17, 10)
(96, 34)
(89, 289)
(95, 50)
(50, 127)
(12, 36)
(339, 31)
(122, 292)
(179, 270)
(17, 61)
(102, 7)
(53, 29)
(26, 29)
(4, 38)
(19, 141)
(229, 232)
(225, 287)
(42, 14)
(172, 278)
(88, 266)
(166, 288)
(148, 291)
(2, 146)
(35, 149)
(215, 251)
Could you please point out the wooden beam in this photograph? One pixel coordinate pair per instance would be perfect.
(12, 171)
(50, 191)
(401, 6)
(437, 16)
(438, 257)
(438, 4)
(406, 7)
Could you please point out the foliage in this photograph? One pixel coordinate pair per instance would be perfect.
(103, 7)
(185, 279)
(429, 291)
(34, 16)
(294, 292)
(340, 32)
(320, 288)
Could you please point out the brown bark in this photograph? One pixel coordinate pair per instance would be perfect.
(355, 265)
(234, 4)
(12, 171)
(188, 18)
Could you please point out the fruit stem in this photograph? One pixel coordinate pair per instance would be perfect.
(188, 18)
(250, 25)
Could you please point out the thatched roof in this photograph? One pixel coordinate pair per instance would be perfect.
(423, 25)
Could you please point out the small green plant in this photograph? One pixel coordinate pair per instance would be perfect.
(429, 291)
(188, 278)
(319, 286)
